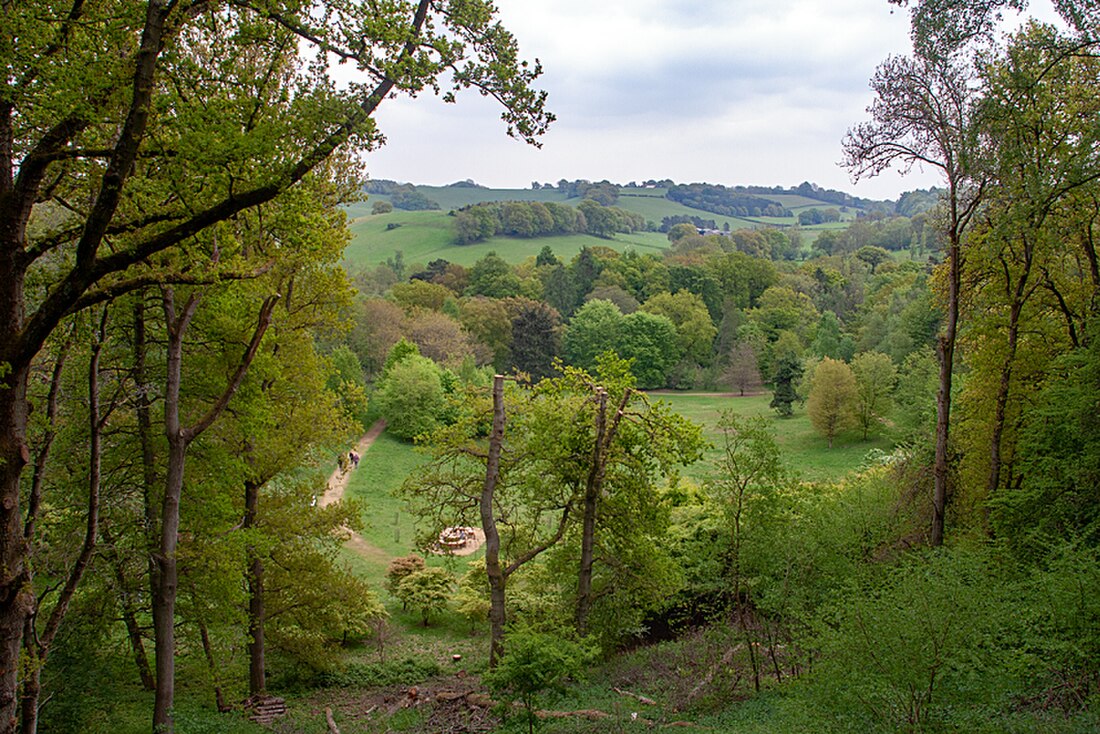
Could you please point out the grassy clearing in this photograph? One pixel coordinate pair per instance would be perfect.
(390, 530)
(804, 451)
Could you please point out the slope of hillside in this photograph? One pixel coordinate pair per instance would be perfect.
(428, 235)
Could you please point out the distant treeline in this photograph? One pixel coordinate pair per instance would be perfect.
(402, 196)
(818, 216)
(732, 201)
(725, 201)
(541, 219)
(668, 223)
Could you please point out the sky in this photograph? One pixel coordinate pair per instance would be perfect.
(734, 92)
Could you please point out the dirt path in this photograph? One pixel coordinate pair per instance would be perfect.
(338, 484)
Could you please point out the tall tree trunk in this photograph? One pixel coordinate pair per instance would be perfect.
(16, 596)
(257, 681)
(165, 576)
(489, 526)
(38, 645)
(945, 354)
(592, 489)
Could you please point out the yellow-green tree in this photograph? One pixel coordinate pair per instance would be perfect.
(833, 398)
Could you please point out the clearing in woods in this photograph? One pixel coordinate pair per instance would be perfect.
(338, 484)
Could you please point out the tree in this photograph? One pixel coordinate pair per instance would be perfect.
(873, 256)
(536, 662)
(411, 397)
(536, 336)
(924, 113)
(439, 337)
(507, 479)
(788, 371)
(421, 294)
(749, 476)
(376, 328)
(427, 590)
(875, 379)
(487, 320)
(399, 568)
(742, 372)
(695, 331)
(491, 276)
(594, 329)
(650, 341)
(381, 207)
(833, 398)
(117, 110)
(827, 340)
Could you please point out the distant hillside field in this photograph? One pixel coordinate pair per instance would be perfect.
(429, 235)
(425, 236)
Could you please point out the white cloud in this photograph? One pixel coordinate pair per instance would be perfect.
(725, 91)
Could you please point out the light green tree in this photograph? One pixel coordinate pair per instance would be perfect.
(651, 341)
(833, 398)
(594, 328)
(537, 662)
(411, 397)
(876, 377)
(428, 590)
(695, 331)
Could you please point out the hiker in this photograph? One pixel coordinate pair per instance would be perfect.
(354, 460)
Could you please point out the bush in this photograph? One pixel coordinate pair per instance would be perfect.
(533, 663)
(400, 568)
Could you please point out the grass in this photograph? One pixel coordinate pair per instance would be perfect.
(428, 235)
(804, 451)
(425, 236)
(389, 527)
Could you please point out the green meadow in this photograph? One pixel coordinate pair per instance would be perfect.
(390, 529)
(804, 451)
(423, 236)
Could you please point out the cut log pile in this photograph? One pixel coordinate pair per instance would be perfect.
(265, 709)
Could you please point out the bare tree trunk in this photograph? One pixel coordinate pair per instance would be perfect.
(945, 353)
(488, 524)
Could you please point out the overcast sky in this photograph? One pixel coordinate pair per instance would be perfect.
(753, 92)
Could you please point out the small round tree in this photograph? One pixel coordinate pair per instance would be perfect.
(427, 590)
(399, 569)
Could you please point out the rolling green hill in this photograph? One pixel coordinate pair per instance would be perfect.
(425, 236)
(428, 235)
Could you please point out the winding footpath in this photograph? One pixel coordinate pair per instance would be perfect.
(338, 485)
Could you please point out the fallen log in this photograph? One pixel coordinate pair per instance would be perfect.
(639, 698)
(331, 722)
